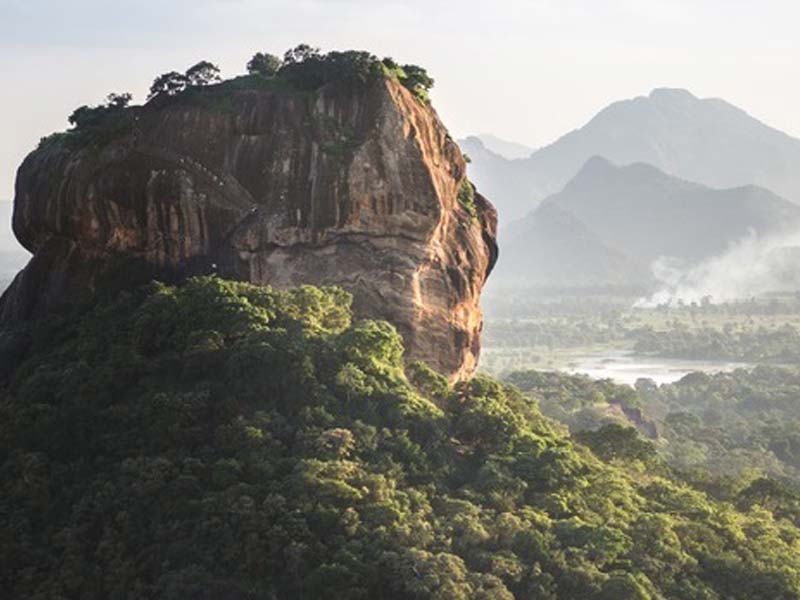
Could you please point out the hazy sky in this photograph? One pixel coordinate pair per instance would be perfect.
(525, 70)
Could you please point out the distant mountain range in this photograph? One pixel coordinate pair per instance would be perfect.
(556, 249)
(609, 223)
(708, 141)
(505, 148)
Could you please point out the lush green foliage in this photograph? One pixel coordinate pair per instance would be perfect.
(466, 197)
(731, 423)
(225, 440)
(737, 425)
(779, 344)
(172, 83)
(577, 401)
(303, 69)
(264, 64)
(616, 442)
(203, 73)
(92, 116)
(415, 78)
(94, 123)
(306, 68)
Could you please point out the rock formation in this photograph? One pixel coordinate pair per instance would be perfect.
(355, 186)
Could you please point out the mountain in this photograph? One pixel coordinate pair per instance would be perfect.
(610, 223)
(362, 188)
(554, 248)
(708, 141)
(505, 148)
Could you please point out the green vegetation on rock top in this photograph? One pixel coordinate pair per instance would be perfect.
(302, 69)
(220, 439)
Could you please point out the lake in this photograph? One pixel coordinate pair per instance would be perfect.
(623, 366)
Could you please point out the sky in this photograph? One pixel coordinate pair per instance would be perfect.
(527, 71)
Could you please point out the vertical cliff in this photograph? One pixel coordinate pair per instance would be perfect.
(353, 185)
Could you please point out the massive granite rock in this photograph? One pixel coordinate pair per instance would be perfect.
(349, 185)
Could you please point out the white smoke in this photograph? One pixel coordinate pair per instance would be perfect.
(750, 267)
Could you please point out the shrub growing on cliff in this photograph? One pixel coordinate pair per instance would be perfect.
(466, 197)
(418, 81)
(54, 138)
(168, 84)
(413, 78)
(94, 124)
(203, 73)
(92, 116)
(304, 68)
(172, 83)
(307, 68)
(300, 53)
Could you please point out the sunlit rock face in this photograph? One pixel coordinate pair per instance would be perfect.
(356, 187)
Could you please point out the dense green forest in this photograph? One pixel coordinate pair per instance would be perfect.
(729, 423)
(729, 427)
(222, 440)
(777, 344)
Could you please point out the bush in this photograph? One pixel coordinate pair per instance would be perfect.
(170, 84)
(264, 64)
(466, 198)
(93, 116)
(307, 69)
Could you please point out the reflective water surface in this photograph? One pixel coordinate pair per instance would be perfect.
(623, 366)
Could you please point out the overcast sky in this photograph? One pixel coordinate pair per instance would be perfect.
(528, 71)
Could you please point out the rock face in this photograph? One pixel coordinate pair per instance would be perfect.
(355, 186)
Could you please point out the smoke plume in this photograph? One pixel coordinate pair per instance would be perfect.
(750, 267)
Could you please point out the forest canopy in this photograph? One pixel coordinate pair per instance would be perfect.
(219, 439)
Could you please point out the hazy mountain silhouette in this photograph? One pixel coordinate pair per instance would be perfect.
(505, 148)
(553, 248)
(610, 223)
(705, 140)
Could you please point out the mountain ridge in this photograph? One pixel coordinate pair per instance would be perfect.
(506, 148)
(623, 218)
(709, 141)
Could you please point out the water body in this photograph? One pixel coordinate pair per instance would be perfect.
(623, 366)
